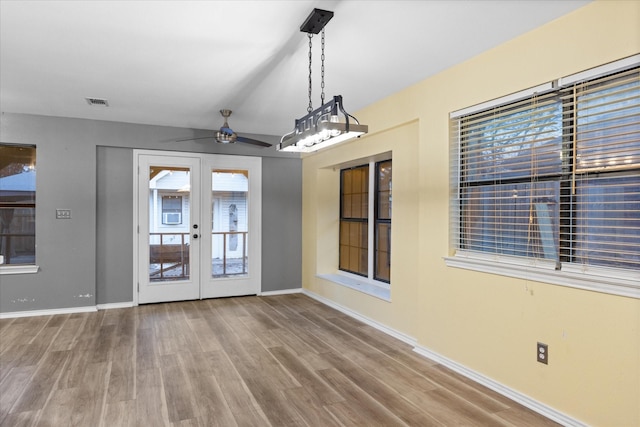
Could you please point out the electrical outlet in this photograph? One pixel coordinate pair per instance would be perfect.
(542, 351)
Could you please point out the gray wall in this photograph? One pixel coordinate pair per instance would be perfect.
(281, 224)
(86, 166)
(114, 225)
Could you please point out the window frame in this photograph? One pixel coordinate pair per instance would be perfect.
(168, 210)
(378, 221)
(355, 220)
(364, 283)
(617, 281)
(6, 269)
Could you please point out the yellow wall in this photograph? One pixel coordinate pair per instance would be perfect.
(485, 322)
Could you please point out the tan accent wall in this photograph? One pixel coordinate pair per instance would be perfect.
(486, 322)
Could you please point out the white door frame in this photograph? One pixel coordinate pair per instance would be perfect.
(226, 286)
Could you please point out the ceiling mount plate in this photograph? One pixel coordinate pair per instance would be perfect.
(316, 21)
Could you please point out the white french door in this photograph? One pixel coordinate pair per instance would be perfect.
(197, 221)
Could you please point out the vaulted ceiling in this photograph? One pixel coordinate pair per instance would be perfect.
(177, 63)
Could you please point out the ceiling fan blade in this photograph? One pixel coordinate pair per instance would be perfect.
(195, 139)
(252, 141)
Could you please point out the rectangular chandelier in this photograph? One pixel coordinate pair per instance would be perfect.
(329, 124)
(323, 127)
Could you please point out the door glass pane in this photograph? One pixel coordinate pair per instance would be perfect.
(169, 219)
(230, 231)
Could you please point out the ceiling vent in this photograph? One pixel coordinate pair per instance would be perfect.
(99, 102)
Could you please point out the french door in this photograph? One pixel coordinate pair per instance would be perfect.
(197, 222)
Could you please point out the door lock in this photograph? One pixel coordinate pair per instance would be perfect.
(195, 236)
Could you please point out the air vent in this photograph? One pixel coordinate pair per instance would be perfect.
(99, 102)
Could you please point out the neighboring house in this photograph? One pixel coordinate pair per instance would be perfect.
(169, 210)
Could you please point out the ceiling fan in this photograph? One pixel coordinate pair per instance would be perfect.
(226, 135)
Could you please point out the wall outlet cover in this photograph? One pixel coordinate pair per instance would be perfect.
(542, 351)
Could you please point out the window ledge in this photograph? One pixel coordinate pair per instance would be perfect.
(608, 281)
(18, 269)
(362, 285)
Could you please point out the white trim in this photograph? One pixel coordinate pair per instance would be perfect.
(136, 223)
(371, 220)
(517, 96)
(600, 71)
(18, 269)
(365, 285)
(512, 394)
(127, 304)
(379, 326)
(280, 292)
(375, 158)
(201, 278)
(571, 276)
(50, 312)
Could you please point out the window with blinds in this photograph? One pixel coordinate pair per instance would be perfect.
(553, 178)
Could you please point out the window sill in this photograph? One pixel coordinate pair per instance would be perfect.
(18, 269)
(608, 281)
(362, 285)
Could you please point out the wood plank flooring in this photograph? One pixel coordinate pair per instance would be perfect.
(253, 361)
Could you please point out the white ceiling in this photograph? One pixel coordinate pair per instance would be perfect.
(177, 63)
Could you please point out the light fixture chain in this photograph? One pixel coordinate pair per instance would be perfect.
(310, 107)
(322, 71)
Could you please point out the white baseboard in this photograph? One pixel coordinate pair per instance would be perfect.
(50, 312)
(514, 395)
(387, 330)
(127, 304)
(281, 292)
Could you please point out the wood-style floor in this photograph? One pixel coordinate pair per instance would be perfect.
(253, 361)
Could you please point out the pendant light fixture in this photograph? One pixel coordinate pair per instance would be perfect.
(329, 124)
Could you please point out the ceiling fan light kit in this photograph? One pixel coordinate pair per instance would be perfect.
(329, 124)
(226, 135)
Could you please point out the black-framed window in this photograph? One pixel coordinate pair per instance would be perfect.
(365, 220)
(354, 220)
(383, 204)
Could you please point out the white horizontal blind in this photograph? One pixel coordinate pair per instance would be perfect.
(605, 185)
(554, 177)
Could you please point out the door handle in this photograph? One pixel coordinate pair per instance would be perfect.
(195, 236)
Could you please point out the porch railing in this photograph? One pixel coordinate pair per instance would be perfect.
(19, 255)
(170, 260)
(224, 265)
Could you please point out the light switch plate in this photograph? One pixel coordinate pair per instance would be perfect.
(63, 213)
